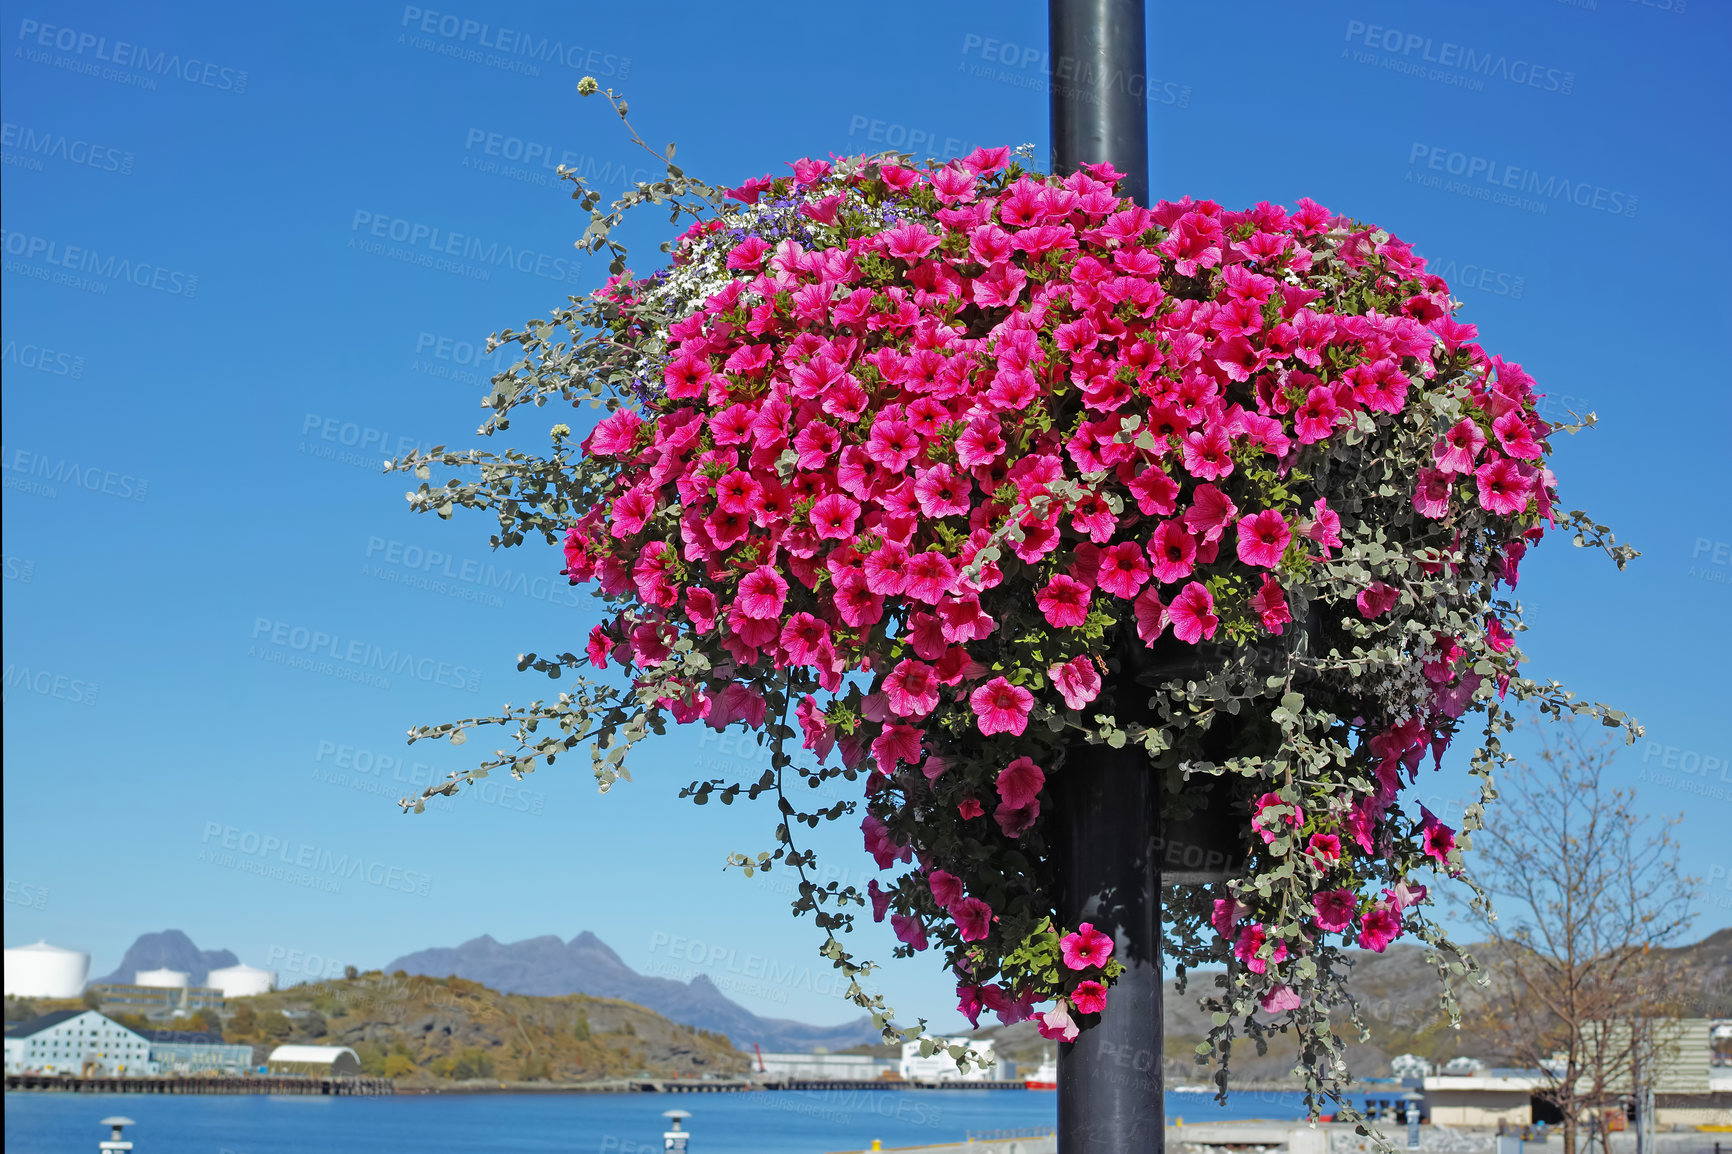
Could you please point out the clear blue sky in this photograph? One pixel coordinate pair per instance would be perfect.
(189, 469)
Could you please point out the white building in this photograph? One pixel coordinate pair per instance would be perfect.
(76, 1041)
(241, 981)
(823, 1067)
(317, 1061)
(941, 1067)
(1409, 1066)
(45, 971)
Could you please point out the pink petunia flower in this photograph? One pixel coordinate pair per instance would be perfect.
(1405, 894)
(762, 593)
(909, 930)
(1085, 947)
(970, 808)
(912, 689)
(1192, 614)
(1056, 1025)
(1325, 525)
(1123, 570)
(1001, 707)
(1064, 601)
(1173, 551)
(1089, 997)
(1377, 599)
(973, 918)
(1226, 915)
(1263, 538)
(1210, 513)
(1379, 926)
(1459, 448)
(1151, 616)
(1437, 838)
(1077, 680)
(1015, 820)
(1020, 782)
(1262, 824)
(1270, 605)
(834, 516)
(1324, 846)
(1280, 999)
(1505, 486)
(946, 888)
(880, 899)
(1335, 909)
(1431, 498)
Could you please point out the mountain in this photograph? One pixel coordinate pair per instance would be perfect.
(586, 965)
(169, 950)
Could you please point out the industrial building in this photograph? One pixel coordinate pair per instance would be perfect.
(45, 971)
(77, 1042)
(941, 1067)
(242, 981)
(196, 1052)
(159, 1000)
(316, 1061)
(824, 1067)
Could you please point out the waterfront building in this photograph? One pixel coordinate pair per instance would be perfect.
(77, 1042)
(196, 1052)
(824, 1067)
(317, 1061)
(941, 1067)
(45, 971)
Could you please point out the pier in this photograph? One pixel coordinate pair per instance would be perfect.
(190, 1084)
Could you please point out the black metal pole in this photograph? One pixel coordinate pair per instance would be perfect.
(1099, 80)
(1109, 1086)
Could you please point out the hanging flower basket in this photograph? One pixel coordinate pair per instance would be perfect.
(934, 474)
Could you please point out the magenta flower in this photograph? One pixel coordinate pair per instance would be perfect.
(1270, 605)
(1263, 537)
(909, 930)
(1377, 599)
(1123, 570)
(1064, 601)
(762, 593)
(1210, 513)
(1459, 448)
(1226, 915)
(1325, 526)
(1379, 926)
(946, 888)
(1505, 486)
(1262, 817)
(1086, 947)
(896, 743)
(1280, 999)
(1437, 838)
(1173, 551)
(912, 689)
(1253, 937)
(1089, 997)
(1431, 498)
(970, 808)
(1192, 614)
(908, 242)
(1405, 894)
(1020, 782)
(930, 576)
(1077, 680)
(1324, 846)
(973, 918)
(833, 517)
(942, 491)
(880, 899)
(1056, 1024)
(1151, 616)
(1335, 909)
(968, 1004)
(1016, 820)
(1001, 707)
(1497, 638)
(805, 639)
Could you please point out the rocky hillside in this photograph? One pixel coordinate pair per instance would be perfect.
(440, 1031)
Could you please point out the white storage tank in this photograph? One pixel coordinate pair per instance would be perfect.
(45, 971)
(242, 981)
(163, 979)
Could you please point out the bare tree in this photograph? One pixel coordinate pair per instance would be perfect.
(1586, 892)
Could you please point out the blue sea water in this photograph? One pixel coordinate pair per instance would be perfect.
(814, 1122)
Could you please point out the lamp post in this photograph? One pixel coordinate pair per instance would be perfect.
(1109, 1085)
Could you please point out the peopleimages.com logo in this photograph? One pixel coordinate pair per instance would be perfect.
(354, 659)
(465, 39)
(119, 60)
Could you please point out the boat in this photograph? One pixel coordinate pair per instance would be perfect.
(1045, 1078)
